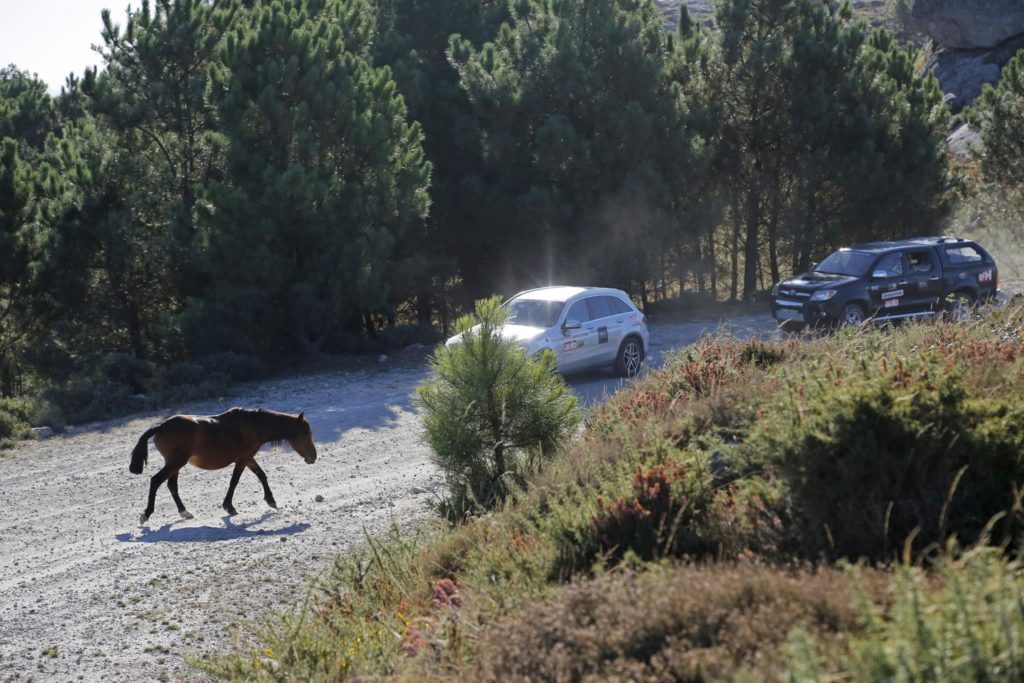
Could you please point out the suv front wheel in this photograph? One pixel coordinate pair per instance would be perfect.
(630, 357)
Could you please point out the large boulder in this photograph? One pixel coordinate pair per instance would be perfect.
(963, 73)
(970, 24)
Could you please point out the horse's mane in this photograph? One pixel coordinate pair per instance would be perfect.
(273, 425)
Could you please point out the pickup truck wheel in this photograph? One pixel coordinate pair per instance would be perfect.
(853, 315)
(630, 357)
(959, 306)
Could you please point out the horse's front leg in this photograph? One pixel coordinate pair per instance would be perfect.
(239, 466)
(262, 476)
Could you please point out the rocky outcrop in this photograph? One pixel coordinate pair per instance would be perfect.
(973, 41)
(970, 24)
(963, 73)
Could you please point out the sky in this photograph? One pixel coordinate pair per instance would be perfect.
(53, 38)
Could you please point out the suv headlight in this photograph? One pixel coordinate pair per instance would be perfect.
(823, 295)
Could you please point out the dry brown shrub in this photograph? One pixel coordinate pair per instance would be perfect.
(680, 623)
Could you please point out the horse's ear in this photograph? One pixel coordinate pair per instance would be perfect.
(300, 415)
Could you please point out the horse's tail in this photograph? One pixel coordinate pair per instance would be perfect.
(140, 454)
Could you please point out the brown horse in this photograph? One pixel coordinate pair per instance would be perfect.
(214, 442)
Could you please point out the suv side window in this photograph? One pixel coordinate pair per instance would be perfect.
(599, 307)
(619, 307)
(921, 262)
(891, 264)
(578, 312)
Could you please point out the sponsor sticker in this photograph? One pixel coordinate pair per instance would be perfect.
(985, 276)
(602, 335)
(896, 294)
(892, 303)
(635, 321)
(571, 345)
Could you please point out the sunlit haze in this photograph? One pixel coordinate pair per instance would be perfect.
(53, 38)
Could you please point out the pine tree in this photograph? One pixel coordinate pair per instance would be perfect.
(578, 124)
(152, 93)
(323, 176)
(16, 219)
(998, 115)
(413, 39)
(27, 112)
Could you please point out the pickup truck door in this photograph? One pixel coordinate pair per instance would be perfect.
(924, 287)
(887, 289)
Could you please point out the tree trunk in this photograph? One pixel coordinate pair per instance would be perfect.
(751, 243)
(713, 270)
(736, 226)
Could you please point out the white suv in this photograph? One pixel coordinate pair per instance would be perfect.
(586, 327)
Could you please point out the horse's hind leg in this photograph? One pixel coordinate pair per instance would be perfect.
(172, 486)
(235, 476)
(154, 484)
(262, 476)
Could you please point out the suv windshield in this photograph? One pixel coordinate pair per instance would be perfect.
(846, 263)
(533, 312)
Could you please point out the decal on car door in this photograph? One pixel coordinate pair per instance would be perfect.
(985, 276)
(602, 335)
(572, 345)
(892, 295)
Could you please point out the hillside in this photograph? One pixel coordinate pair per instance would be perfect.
(699, 529)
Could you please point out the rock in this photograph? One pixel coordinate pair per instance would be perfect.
(963, 142)
(383, 359)
(43, 432)
(319, 498)
(963, 73)
(970, 24)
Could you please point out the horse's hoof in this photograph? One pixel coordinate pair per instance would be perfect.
(272, 503)
(185, 514)
(230, 510)
(143, 518)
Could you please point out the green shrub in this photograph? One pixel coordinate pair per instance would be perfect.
(491, 414)
(962, 622)
(876, 452)
(11, 426)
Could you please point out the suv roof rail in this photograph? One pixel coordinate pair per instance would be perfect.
(943, 240)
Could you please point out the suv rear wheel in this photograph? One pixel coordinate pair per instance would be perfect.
(630, 357)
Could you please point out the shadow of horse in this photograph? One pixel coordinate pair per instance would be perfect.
(210, 534)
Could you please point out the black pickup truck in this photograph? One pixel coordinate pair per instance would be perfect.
(912, 278)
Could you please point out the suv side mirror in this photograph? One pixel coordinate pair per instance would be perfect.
(571, 325)
(879, 275)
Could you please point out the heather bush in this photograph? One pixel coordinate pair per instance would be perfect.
(491, 414)
(678, 623)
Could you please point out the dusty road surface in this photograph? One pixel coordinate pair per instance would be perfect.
(86, 593)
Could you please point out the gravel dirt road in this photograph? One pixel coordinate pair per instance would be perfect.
(88, 594)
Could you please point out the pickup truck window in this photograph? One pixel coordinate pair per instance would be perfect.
(958, 256)
(892, 264)
(846, 263)
(921, 261)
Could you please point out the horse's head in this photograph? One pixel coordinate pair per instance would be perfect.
(302, 441)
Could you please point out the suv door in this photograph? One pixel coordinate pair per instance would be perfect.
(609, 326)
(577, 346)
(888, 287)
(925, 288)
